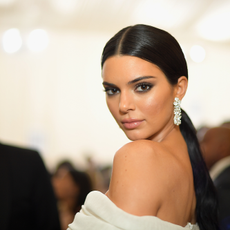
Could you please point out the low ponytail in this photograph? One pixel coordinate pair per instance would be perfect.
(206, 209)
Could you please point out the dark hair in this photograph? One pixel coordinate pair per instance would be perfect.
(83, 181)
(162, 49)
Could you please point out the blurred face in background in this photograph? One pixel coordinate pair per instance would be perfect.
(209, 148)
(215, 145)
(64, 185)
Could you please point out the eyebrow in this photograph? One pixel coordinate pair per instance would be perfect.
(109, 84)
(130, 82)
(139, 79)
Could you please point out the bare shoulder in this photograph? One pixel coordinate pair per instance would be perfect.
(141, 177)
(152, 155)
(138, 158)
(138, 149)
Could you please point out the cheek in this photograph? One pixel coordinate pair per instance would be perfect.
(156, 105)
(151, 106)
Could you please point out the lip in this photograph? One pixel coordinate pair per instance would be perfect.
(131, 123)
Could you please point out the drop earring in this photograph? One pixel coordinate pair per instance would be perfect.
(177, 111)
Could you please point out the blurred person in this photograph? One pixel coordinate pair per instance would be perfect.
(216, 151)
(159, 180)
(95, 174)
(71, 187)
(105, 172)
(226, 124)
(201, 132)
(64, 164)
(27, 200)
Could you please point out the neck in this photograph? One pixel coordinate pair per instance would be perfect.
(164, 134)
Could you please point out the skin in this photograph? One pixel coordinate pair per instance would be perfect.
(226, 124)
(64, 186)
(151, 175)
(215, 145)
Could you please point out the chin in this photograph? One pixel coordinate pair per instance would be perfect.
(131, 135)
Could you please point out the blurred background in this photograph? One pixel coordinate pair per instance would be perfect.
(51, 96)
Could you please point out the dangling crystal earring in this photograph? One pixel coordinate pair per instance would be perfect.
(177, 111)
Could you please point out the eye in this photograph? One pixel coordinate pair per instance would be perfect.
(143, 87)
(111, 91)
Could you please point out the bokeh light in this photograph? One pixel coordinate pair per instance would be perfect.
(12, 40)
(38, 40)
(197, 53)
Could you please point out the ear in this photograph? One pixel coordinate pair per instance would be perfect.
(181, 87)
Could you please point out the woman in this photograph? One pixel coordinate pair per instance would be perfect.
(159, 181)
(71, 188)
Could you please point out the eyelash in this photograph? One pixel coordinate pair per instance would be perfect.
(145, 84)
(108, 89)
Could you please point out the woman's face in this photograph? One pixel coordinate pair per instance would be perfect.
(139, 97)
(64, 185)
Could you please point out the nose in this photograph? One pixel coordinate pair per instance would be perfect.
(126, 102)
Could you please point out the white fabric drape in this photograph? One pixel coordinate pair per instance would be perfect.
(100, 213)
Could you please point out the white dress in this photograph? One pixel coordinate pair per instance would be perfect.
(100, 213)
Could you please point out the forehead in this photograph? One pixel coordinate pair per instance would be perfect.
(129, 67)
